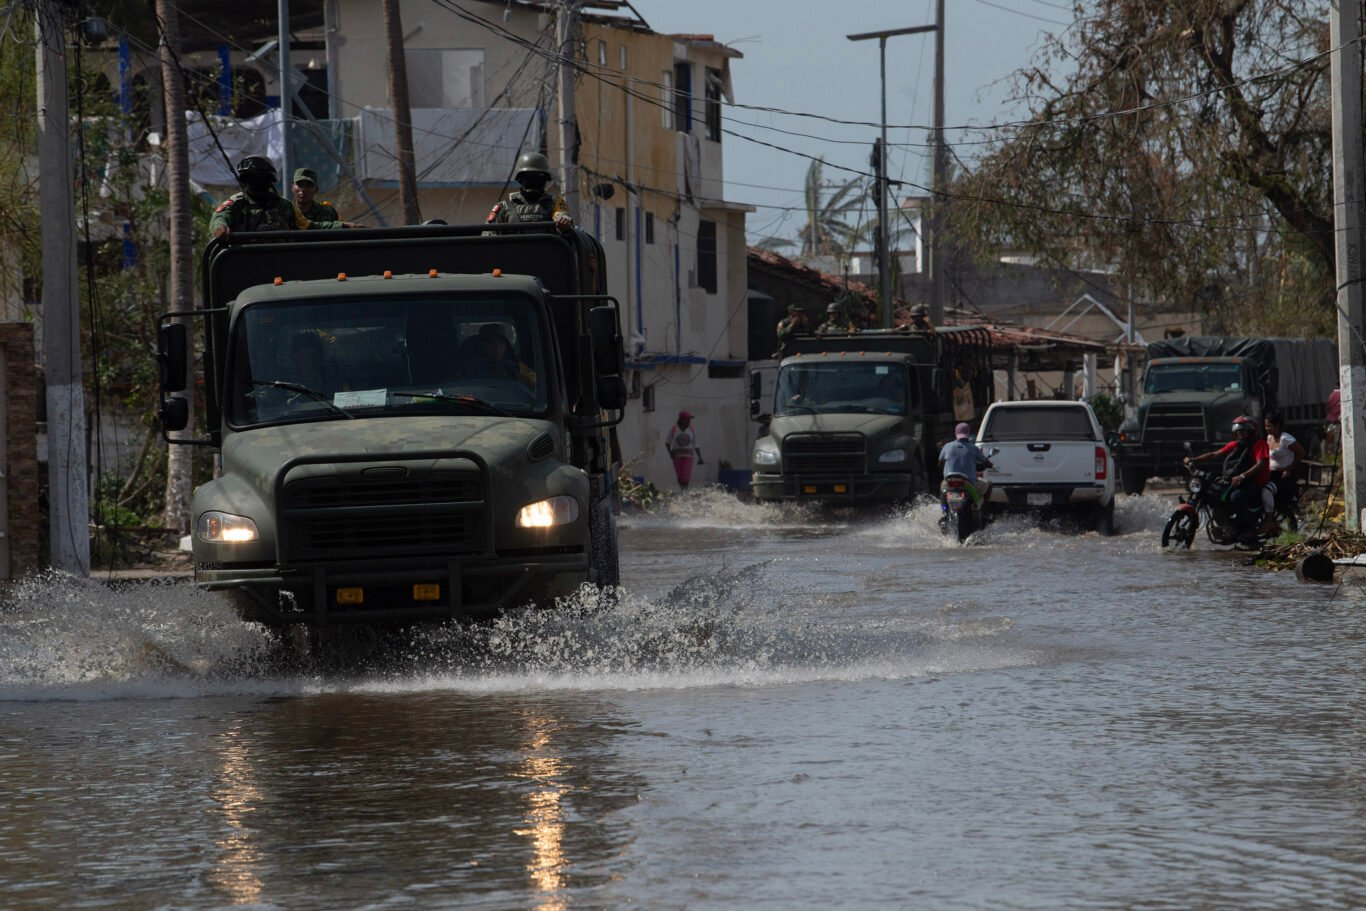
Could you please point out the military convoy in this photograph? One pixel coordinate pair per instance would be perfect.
(1195, 386)
(857, 418)
(410, 423)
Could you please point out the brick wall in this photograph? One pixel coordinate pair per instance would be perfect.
(21, 456)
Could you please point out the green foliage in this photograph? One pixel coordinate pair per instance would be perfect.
(1108, 411)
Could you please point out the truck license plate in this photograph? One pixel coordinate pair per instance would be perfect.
(1038, 499)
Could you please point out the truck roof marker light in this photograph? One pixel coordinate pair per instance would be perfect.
(497, 273)
(279, 280)
(388, 274)
(431, 273)
(341, 276)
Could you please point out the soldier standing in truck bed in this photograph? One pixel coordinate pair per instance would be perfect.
(258, 207)
(532, 202)
(306, 197)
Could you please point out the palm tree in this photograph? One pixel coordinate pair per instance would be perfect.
(826, 233)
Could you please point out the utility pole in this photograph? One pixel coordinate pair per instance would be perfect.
(403, 115)
(68, 492)
(569, 124)
(286, 95)
(939, 204)
(885, 232)
(179, 460)
(1348, 187)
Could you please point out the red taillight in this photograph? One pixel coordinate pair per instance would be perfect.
(1100, 463)
(956, 482)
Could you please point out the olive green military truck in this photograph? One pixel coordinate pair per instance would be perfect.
(858, 419)
(412, 423)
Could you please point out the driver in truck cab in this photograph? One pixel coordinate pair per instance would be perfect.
(962, 457)
(1247, 467)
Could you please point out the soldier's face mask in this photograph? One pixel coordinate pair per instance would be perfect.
(256, 183)
(533, 183)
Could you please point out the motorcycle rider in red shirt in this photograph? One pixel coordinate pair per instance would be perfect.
(1247, 467)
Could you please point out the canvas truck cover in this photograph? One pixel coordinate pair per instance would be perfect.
(1306, 368)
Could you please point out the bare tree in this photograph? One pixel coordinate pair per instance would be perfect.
(181, 280)
(403, 114)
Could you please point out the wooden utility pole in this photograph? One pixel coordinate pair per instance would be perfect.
(180, 290)
(1348, 188)
(938, 257)
(569, 127)
(286, 76)
(403, 115)
(68, 483)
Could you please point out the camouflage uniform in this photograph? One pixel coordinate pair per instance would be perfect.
(518, 209)
(793, 325)
(835, 326)
(320, 210)
(241, 212)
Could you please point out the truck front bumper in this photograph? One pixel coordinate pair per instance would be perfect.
(848, 489)
(383, 591)
(1158, 460)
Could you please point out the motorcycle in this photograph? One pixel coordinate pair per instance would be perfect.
(1208, 502)
(958, 514)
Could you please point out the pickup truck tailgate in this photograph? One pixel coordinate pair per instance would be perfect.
(1044, 463)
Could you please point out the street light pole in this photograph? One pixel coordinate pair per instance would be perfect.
(884, 231)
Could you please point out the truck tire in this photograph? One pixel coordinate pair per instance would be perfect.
(1133, 480)
(604, 565)
(1105, 519)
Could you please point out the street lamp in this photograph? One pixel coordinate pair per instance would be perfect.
(884, 235)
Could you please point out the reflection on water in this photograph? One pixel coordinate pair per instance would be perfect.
(544, 815)
(235, 869)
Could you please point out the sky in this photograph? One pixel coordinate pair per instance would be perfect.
(797, 58)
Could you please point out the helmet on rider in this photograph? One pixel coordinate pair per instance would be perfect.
(1244, 423)
(533, 172)
(255, 174)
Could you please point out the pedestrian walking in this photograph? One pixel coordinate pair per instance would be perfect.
(684, 448)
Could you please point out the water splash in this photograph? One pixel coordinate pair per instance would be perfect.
(716, 507)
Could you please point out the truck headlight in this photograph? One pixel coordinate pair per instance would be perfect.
(225, 528)
(892, 456)
(765, 457)
(548, 513)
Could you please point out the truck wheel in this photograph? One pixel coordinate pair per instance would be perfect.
(1133, 480)
(604, 566)
(1105, 519)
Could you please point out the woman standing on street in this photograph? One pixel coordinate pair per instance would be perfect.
(683, 448)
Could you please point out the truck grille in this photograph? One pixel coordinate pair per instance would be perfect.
(1174, 423)
(834, 453)
(348, 518)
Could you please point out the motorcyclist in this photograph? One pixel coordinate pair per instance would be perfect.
(1247, 468)
(1286, 454)
(962, 457)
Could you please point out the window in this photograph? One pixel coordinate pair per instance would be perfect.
(621, 223)
(713, 106)
(445, 78)
(623, 58)
(649, 227)
(1060, 422)
(666, 93)
(602, 53)
(706, 256)
(683, 97)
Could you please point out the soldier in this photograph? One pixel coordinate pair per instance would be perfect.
(305, 191)
(258, 207)
(835, 322)
(920, 319)
(795, 324)
(532, 202)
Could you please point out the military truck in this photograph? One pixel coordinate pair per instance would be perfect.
(1194, 386)
(858, 418)
(411, 423)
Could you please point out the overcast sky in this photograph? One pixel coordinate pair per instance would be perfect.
(796, 58)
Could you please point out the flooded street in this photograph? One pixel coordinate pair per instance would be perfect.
(783, 710)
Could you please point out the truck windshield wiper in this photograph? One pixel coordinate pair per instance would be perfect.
(313, 394)
(469, 401)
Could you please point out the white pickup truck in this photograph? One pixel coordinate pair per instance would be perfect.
(1051, 458)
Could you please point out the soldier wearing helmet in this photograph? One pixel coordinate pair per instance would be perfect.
(836, 323)
(258, 207)
(532, 202)
(920, 319)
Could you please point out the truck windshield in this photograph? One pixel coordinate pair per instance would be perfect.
(1193, 378)
(337, 359)
(841, 386)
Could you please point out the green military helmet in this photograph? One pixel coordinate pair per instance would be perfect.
(532, 163)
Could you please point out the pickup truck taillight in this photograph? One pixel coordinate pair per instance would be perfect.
(1100, 463)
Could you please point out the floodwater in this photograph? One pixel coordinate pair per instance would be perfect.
(782, 710)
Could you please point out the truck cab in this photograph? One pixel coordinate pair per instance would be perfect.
(425, 433)
(856, 418)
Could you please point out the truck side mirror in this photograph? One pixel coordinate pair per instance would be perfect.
(173, 357)
(1112, 440)
(612, 392)
(174, 414)
(756, 393)
(607, 351)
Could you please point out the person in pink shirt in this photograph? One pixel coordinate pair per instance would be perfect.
(684, 448)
